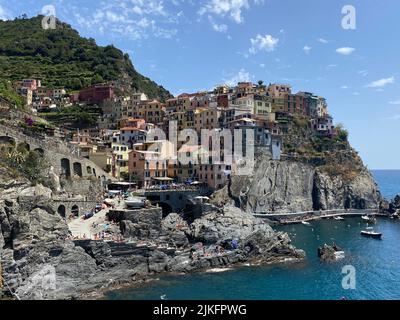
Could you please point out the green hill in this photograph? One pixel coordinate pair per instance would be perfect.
(61, 57)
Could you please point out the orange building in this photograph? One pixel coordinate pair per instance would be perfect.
(152, 112)
(206, 118)
(148, 163)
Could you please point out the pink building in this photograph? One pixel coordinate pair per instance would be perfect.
(31, 84)
(96, 94)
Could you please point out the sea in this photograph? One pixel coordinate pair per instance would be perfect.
(369, 271)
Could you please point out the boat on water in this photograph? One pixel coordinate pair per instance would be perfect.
(339, 218)
(135, 202)
(369, 232)
(369, 219)
(306, 223)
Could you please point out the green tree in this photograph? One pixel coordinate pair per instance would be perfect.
(342, 133)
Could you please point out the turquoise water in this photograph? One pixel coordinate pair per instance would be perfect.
(377, 265)
(388, 182)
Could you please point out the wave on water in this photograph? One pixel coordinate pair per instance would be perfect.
(218, 270)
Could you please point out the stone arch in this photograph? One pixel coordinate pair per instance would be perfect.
(23, 147)
(77, 169)
(65, 167)
(62, 211)
(7, 144)
(166, 208)
(75, 210)
(89, 170)
(40, 151)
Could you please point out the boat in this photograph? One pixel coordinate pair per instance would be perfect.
(338, 218)
(135, 202)
(371, 233)
(306, 223)
(370, 219)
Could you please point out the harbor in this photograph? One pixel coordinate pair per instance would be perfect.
(310, 280)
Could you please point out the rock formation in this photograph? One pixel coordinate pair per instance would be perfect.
(293, 186)
(39, 261)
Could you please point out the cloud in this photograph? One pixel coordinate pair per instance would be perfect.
(381, 83)
(263, 43)
(329, 66)
(148, 7)
(345, 87)
(4, 15)
(241, 76)
(223, 28)
(322, 40)
(231, 8)
(130, 19)
(307, 49)
(396, 102)
(345, 51)
(363, 73)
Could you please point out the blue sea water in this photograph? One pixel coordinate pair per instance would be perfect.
(388, 182)
(376, 263)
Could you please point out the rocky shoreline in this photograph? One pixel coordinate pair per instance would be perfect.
(41, 261)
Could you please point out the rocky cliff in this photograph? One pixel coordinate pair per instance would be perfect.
(317, 172)
(40, 261)
(294, 186)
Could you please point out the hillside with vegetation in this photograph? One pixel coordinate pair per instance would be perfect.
(62, 58)
(330, 154)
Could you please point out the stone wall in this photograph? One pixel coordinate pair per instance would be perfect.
(175, 199)
(56, 151)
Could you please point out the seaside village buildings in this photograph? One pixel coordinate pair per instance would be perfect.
(132, 139)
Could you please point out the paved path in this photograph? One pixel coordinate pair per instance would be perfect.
(326, 213)
(80, 227)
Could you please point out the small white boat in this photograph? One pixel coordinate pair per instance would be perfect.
(370, 219)
(371, 233)
(306, 223)
(135, 202)
(339, 218)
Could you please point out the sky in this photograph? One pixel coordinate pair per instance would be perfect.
(188, 45)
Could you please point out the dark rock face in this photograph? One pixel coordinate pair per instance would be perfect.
(335, 193)
(144, 224)
(330, 253)
(38, 260)
(288, 186)
(394, 205)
